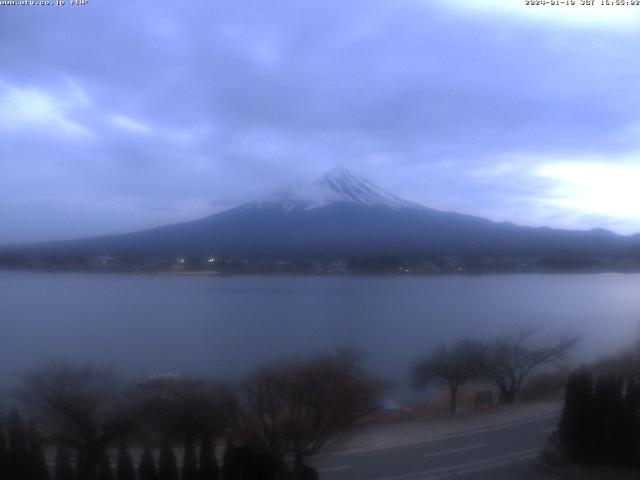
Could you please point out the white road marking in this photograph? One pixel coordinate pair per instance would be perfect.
(465, 467)
(489, 466)
(334, 469)
(501, 426)
(455, 450)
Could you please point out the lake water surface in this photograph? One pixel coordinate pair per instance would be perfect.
(226, 326)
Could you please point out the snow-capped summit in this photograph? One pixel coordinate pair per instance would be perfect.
(338, 185)
(351, 188)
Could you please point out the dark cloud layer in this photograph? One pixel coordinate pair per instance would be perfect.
(121, 116)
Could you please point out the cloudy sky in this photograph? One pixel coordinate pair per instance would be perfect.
(116, 116)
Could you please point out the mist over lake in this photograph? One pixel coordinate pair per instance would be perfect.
(225, 327)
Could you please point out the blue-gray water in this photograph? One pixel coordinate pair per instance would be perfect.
(226, 326)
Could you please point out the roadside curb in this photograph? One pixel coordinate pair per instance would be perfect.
(558, 470)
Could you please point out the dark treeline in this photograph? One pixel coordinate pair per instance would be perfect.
(165, 427)
(22, 458)
(600, 421)
(356, 264)
(21, 451)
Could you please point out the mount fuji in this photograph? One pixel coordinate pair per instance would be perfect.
(343, 214)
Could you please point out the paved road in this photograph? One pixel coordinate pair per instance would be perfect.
(505, 451)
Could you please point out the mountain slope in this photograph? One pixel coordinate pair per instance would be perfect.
(343, 214)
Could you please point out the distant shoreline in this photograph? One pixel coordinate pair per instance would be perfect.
(187, 273)
(214, 274)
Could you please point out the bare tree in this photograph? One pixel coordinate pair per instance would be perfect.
(81, 406)
(182, 408)
(454, 365)
(293, 409)
(509, 360)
